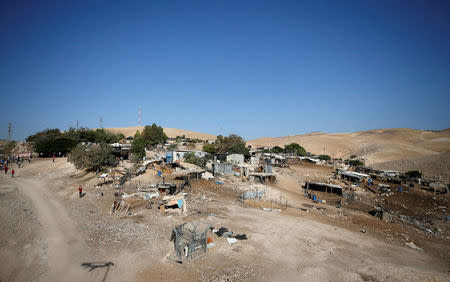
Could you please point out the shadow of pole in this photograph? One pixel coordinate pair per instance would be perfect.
(93, 265)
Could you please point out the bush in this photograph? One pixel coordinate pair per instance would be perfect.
(209, 148)
(355, 162)
(413, 174)
(324, 157)
(295, 148)
(277, 150)
(172, 146)
(193, 159)
(93, 158)
(353, 156)
(8, 148)
(154, 135)
(191, 146)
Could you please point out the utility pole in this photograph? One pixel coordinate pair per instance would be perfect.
(77, 124)
(140, 117)
(9, 130)
(101, 122)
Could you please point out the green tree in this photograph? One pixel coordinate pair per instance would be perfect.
(48, 147)
(138, 148)
(209, 148)
(154, 135)
(44, 135)
(93, 158)
(295, 148)
(232, 144)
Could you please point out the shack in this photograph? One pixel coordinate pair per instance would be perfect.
(190, 239)
(324, 187)
(352, 176)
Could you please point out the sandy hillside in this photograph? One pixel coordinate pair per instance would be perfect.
(170, 132)
(379, 145)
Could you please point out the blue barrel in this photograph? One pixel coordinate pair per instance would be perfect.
(314, 197)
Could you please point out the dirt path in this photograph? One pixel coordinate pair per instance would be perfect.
(66, 249)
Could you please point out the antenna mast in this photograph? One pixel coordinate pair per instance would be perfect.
(9, 130)
(140, 117)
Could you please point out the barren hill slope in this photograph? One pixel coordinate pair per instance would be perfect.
(379, 145)
(170, 132)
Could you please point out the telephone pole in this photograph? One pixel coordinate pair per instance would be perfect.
(100, 120)
(77, 124)
(9, 130)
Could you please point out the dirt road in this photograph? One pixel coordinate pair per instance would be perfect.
(60, 246)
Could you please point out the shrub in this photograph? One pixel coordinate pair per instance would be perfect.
(295, 148)
(93, 158)
(193, 159)
(138, 148)
(277, 150)
(8, 148)
(209, 148)
(355, 162)
(172, 146)
(353, 156)
(324, 157)
(413, 174)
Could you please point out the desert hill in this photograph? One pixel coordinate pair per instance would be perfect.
(170, 132)
(380, 145)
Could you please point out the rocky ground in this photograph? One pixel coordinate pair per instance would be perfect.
(50, 232)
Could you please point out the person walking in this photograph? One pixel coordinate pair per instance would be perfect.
(6, 169)
(80, 191)
(53, 158)
(12, 172)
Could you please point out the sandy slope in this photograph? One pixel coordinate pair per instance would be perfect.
(170, 132)
(374, 145)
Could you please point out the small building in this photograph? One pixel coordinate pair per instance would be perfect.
(235, 158)
(178, 155)
(352, 176)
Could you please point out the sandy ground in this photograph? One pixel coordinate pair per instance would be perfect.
(49, 232)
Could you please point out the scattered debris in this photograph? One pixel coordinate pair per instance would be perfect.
(413, 246)
(231, 241)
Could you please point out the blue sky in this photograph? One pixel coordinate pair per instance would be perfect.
(255, 68)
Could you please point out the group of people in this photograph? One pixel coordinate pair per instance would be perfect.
(6, 170)
(5, 163)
